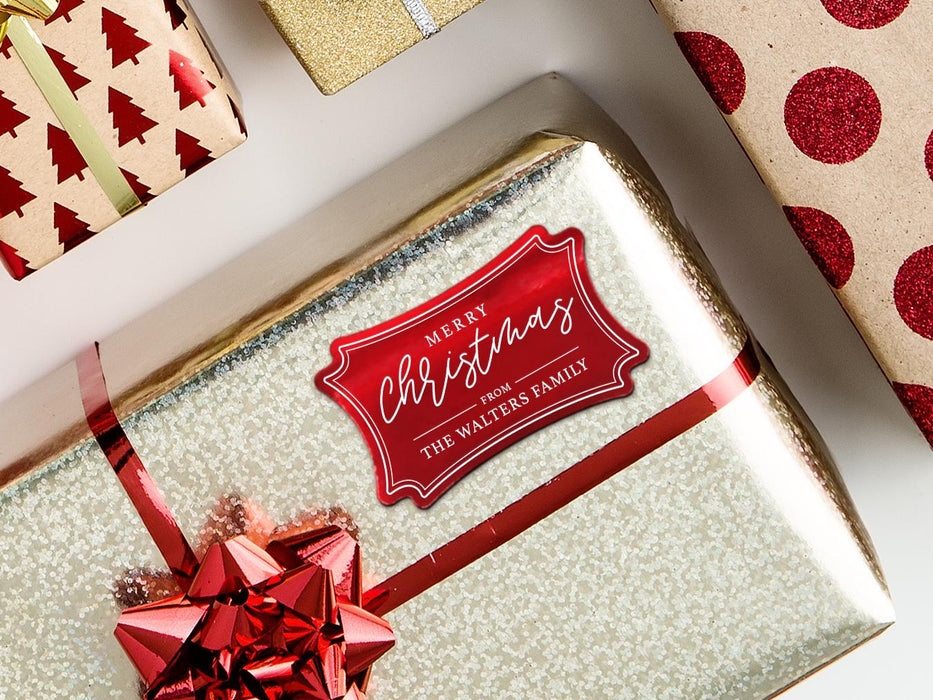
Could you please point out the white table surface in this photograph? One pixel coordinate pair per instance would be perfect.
(304, 148)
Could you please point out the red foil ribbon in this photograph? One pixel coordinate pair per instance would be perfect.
(570, 484)
(291, 620)
(286, 621)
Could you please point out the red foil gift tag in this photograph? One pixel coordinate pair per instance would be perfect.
(516, 346)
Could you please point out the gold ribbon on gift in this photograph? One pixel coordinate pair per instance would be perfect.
(13, 23)
(34, 9)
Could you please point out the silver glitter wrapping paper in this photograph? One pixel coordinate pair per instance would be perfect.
(729, 563)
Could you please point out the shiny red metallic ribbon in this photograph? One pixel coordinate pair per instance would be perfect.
(572, 483)
(136, 481)
(457, 554)
(252, 623)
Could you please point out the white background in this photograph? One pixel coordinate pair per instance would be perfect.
(304, 148)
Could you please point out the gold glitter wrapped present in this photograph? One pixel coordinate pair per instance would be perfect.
(670, 527)
(339, 41)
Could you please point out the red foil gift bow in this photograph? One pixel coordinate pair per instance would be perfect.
(252, 623)
(229, 637)
(258, 625)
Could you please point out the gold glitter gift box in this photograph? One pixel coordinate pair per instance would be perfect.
(339, 41)
(684, 535)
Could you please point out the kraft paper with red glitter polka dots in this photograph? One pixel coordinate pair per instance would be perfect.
(147, 79)
(833, 101)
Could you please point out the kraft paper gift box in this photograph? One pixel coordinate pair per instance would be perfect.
(831, 101)
(518, 383)
(339, 41)
(103, 106)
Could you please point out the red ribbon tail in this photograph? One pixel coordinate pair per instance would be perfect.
(572, 483)
(136, 481)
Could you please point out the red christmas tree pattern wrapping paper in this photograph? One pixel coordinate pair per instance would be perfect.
(833, 102)
(148, 81)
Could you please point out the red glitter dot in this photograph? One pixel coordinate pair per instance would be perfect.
(827, 242)
(918, 400)
(913, 292)
(865, 14)
(833, 115)
(718, 67)
(929, 155)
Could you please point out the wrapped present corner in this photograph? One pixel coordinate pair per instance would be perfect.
(516, 381)
(104, 104)
(339, 42)
(842, 136)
